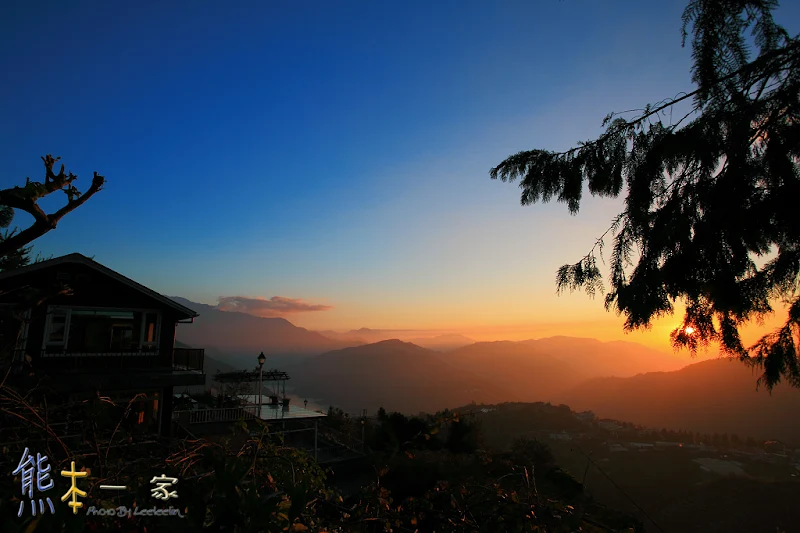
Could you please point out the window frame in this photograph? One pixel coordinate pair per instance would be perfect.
(156, 333)
(46, 342)
(67, 309)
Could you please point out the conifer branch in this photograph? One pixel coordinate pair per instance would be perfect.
(703, 198)
(685, 96)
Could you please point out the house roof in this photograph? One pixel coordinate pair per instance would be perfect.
(83, 260)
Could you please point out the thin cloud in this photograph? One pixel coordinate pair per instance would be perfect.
(272, 307)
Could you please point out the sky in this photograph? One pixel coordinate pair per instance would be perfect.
(333, 157)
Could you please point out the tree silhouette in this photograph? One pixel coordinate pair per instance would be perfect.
(26, 199)
(707, 194)
(16, 258)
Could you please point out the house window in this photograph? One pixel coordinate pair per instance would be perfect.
(103, 330)
(122, 337)
(84, 330)
(58, 322)
(150, 332)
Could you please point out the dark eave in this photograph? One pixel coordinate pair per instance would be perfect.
(83, 260)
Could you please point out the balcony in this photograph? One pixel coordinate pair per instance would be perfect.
(224, 414)
(182, 359)
(93, 361)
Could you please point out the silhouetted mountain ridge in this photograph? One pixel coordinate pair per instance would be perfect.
(441, 342)
(717, 395)
(518, 368)
(708, 396)
(613, 358)
(506, 370)
(240, 334)
(392, 374)
(387, 348)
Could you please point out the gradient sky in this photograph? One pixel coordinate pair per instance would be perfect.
(334, 152)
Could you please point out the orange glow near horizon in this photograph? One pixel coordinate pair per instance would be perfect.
(587, 321)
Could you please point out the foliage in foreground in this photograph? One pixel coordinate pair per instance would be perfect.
(706, 200)
(248, 483)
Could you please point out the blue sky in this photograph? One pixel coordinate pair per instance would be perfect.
(335, 152)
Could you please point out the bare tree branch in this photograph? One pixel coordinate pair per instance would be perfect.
(26, 198)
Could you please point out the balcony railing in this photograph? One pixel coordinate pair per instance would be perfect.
(225, 414)
(111, 360)
(182, 359)
(188, 358)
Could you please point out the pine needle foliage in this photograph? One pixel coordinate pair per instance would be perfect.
(707, 197)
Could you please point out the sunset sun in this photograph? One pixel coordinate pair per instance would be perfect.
(689, 330)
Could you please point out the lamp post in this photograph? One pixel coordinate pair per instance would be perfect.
(363, 427)
(261, 359)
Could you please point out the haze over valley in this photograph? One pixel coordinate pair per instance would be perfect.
(620, 380)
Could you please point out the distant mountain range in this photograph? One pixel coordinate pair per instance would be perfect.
(530, 370)
(384, 373)
(619, 380)
(535, 370)
(393, 374)
(241, 337)
(518, 368)
(615, 358)
(442, 343)
(718, 395)
(369, 336)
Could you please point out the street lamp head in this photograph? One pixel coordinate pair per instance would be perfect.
(261, 359)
